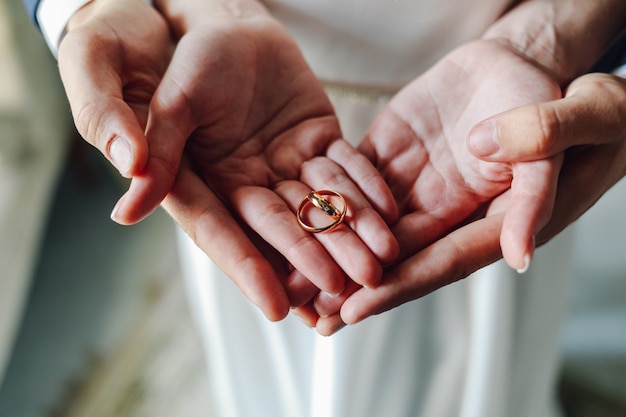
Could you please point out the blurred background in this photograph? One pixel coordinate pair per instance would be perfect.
(93, 318)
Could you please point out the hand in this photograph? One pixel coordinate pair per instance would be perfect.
(588, 124)
(239, 131)
(111, 62)
(419, 145)
(258, 130)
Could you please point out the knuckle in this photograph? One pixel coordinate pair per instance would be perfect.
(169, 165)
(549, 123)
(90, 123)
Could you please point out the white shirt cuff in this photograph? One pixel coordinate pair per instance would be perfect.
(53, 16)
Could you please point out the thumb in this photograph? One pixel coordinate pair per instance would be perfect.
(592, 112)
(102, 117)
(112, 127)
(169, 125)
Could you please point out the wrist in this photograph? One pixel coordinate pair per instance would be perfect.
(88, 8)
(565, 37)
(54, 18)
(184, 15)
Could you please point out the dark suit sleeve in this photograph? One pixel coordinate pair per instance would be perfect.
(31, 7)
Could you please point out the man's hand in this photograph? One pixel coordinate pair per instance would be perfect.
(111, 62)
(239, 132)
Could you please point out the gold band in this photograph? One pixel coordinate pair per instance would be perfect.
(317, 199)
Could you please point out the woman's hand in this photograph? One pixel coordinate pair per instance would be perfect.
(419, 144)
(588, 125)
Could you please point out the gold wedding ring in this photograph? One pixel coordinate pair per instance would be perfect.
(318, 200)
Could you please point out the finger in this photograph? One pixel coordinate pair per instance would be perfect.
(269, 215)
(202, 215)
(344, 244)
(366, 177)
(91, 75)
(372, 203)
(307, 315)
(327, 304)
(419, 229)
(449, 259)
(364, 219)
(300, 289)
(533, 192)
(169, 126)
(591, 113)
(328, 326)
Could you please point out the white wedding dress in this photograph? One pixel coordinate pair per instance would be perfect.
(484, 347)
(487, 346)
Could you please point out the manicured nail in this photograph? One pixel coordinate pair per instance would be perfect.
(114, 212)
(526, 264)
(528, 257)
(332, 294)
(121, 155)
(483, 139)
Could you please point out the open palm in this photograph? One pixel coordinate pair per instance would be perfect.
(418, 143)
(240, 125)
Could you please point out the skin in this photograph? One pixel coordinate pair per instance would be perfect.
(185, 131)
(562, 39)
(237, 131)
(418, 143)
(111, 62)
(586, 125)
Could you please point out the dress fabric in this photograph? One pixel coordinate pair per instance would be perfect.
(483, 347)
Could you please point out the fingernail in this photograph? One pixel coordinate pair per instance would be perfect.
(526, 265)
(528, 257)
(332, 294)
(483, 139)
(114, 212)
(121, 155)
(116, 209)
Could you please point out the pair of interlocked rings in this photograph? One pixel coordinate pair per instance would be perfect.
(318, 199)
